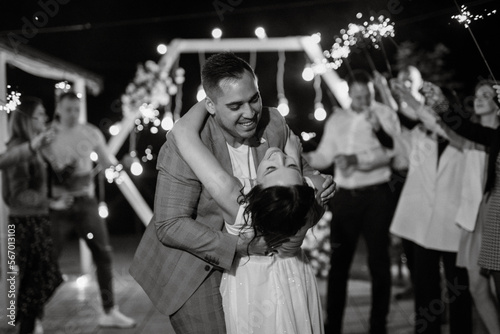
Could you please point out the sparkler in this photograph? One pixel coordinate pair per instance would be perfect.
(368, 34)
(465, 17)
(13, 100)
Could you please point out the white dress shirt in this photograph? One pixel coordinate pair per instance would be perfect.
(348, 132)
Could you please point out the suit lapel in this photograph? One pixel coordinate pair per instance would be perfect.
(259, 148)
(218, 145)
(265, 135)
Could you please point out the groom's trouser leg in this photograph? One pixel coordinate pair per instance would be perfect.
(202, 313)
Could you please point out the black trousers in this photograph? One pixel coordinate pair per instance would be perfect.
(84, 217)
(365, 212)
(432, 298)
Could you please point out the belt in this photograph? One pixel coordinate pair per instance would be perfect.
(363, 190)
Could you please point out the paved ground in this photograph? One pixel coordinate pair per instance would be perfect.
(74, 307)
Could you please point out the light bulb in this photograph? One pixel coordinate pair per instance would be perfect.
(94, 157)
(217, 33)
(260, 33)
(307, 135)
(167, 123)
(82, 281)
(316, 37)
(308, 73)
(103, 210)
(161, 49)
(283, 106)
(136, 167)
(319, 112)
(114, 129)
(201, 94)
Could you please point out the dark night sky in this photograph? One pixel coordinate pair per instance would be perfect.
(117, 35)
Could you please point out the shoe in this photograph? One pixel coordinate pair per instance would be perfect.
(38, 327)
(114, 318)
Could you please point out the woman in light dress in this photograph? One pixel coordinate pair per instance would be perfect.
(262, 294)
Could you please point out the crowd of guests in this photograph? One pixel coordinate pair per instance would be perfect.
(408, 164)
(417, 167)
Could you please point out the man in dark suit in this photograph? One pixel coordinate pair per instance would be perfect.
(184, 249)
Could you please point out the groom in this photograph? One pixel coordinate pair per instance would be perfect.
(183, 252)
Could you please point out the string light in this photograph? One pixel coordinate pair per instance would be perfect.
(283, 106)
(319, 112)
(148, 155)
(136, 167)
(216, 33)
(82, 281)
(308, 73)
(316, 37)
(63, 86)
(148, 112)
(260, 33)
(168, 121)
(113, 173)
(103, 210)
(306, 136)
(161, 49)
(282, 100)
(200, 95)
(94, 157)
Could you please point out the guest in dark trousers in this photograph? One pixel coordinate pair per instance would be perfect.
(362, 204)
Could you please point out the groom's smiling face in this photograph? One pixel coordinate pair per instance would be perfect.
(237, 108)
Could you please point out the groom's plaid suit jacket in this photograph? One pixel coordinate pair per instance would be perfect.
(185, 237)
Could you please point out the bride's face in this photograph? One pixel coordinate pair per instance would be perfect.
(278, 169)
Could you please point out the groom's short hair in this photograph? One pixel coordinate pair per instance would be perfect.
(221, 66)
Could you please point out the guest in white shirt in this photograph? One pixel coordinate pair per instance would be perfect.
(425, 215)
(362, 205)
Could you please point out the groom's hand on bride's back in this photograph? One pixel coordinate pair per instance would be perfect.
(258, 246)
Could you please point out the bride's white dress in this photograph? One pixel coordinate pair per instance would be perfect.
(270, 295)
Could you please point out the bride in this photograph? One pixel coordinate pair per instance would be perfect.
(262, 294)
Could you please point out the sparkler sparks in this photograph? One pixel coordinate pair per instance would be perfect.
(367, 34)
(13, 100)
(466, 17)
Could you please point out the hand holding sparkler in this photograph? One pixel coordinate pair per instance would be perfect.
(42, 139)
(403, 94)
(434, 97)
(465, 17)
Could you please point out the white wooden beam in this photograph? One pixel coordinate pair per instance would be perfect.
(4, 131)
